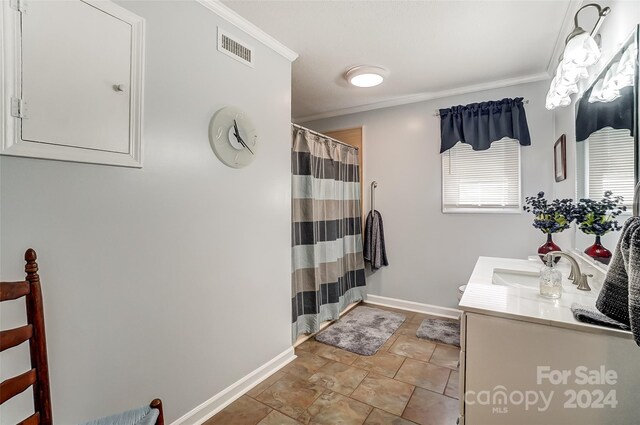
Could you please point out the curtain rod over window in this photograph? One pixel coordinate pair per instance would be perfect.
(323, 135)
(437, 114)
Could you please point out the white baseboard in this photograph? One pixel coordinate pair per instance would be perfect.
(434, 310)
(206, 410)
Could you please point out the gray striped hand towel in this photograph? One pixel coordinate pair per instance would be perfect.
(620, 295)
(374, 249)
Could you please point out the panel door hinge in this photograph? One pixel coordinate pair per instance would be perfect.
(18, 108)
(19, 5)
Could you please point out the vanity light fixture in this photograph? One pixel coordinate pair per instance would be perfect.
(581, 51)
(366, 75)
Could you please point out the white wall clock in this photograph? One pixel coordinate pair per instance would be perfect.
(233, 137)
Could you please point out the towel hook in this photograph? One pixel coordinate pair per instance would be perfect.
(374, 184)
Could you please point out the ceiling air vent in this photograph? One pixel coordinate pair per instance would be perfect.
(230, 46)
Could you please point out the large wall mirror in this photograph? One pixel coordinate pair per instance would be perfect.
(607, 136)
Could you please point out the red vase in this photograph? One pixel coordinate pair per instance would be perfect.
(599, 252)
(549, 246)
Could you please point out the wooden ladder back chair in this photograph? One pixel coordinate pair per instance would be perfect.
(33, 331)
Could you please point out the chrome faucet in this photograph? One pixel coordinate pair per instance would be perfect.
(576, 276)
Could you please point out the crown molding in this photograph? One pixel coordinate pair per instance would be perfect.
(565, 29)
(422, 97)
(226, 13)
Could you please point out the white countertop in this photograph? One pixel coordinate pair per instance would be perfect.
(484, 297)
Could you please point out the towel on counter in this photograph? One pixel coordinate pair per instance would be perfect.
(590, 315)
(142, 416)
(620, 295)
(374, 249)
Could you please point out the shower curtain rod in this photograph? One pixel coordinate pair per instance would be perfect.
(437, 114)
(323, 135)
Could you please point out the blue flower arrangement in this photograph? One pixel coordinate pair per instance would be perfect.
(598, 217)
(550, 217)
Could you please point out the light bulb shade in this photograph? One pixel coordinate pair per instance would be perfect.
(620, 75)
(625, 70)
(571, 73)
(582, 51)
(565, 89)
(603, 93)
(562, 87)
(616, 78)
(366, 75)
(554, 100)
(559, 93)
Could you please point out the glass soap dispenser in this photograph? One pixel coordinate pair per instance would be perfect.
(550, 281)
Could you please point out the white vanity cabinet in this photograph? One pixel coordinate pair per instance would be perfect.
(524, 360)
(73, 81)
(517, 372)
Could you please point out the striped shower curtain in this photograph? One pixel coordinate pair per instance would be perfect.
(327, 262)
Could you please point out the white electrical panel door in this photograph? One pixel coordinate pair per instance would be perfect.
(80, 83)
(75, 58)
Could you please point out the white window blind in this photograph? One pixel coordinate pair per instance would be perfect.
(482, 181)
(610, 164)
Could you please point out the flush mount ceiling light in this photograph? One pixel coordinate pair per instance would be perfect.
(580, 52)
(366, 75)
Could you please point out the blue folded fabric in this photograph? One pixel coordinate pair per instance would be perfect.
(142, 416)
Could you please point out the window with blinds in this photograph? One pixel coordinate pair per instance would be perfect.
(482, 181)
(610, 164)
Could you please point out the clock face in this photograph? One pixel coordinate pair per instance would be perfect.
(233, 137)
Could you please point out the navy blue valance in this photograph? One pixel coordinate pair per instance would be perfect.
(480, 124)
(618, 114)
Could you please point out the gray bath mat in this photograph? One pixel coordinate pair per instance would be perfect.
(440, 330)
(362, 331)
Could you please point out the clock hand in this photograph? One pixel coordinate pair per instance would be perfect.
(243, 143)
(237, 134)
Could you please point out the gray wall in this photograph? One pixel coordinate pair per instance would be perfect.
(621, 21)
(431, 253)
(172, 281)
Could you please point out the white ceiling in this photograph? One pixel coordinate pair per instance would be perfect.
(431, 48)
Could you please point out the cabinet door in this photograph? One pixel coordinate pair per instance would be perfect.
(531, 374)
(72, 56)
(80, 78)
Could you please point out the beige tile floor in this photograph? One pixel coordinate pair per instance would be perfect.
(408, 381)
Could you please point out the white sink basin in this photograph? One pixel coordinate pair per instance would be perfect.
(530, 280)
(517, 278)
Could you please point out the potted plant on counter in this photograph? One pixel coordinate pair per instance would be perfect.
(599, 218)
(550, 217)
